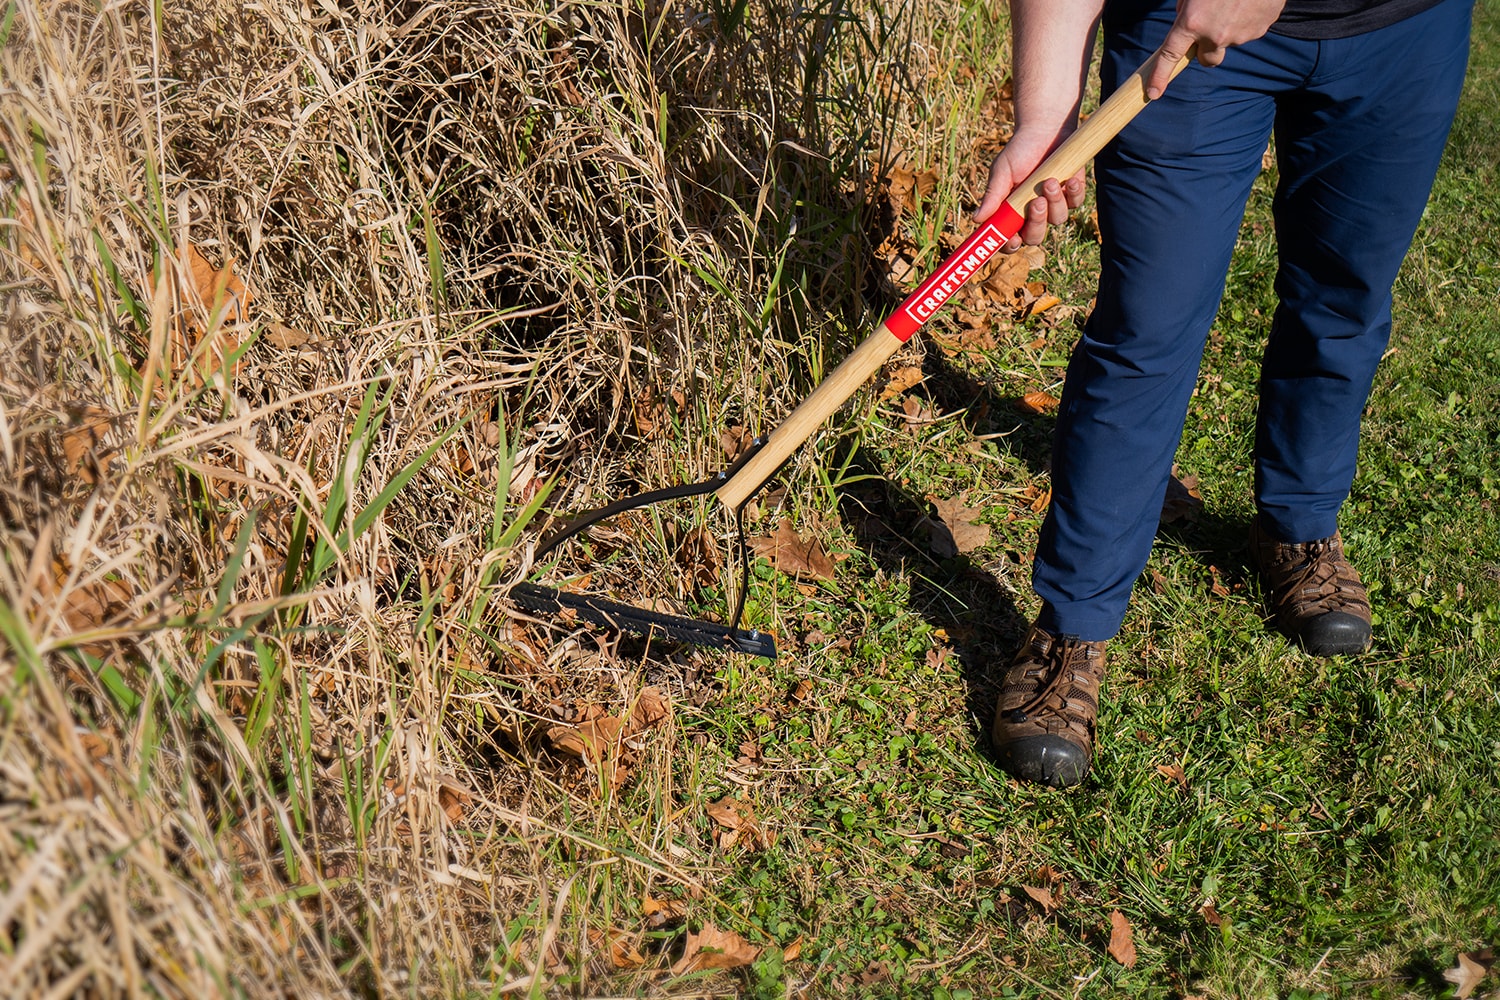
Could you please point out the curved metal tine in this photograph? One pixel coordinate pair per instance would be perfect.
(729, 542)
(567, 529)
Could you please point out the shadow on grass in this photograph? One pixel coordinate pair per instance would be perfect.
(952, 388)
(975, 609)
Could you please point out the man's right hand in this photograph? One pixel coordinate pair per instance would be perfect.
(1025, 151)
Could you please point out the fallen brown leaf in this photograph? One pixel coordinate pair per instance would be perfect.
(734, 440)
(208, 330)
(88, 605)
(956, 532)
(917, 412)
(901, 380)
(453, 798)
(591, 740)
(660, 912)
(31, 239)
(1006, 284)
(711, 948)
(1217, 586)
(1468, 973)
(651, 706)
(698, 557)
(650, 413)
(1042, 897)
(623, 953)
(901, 270)
(1173, 772)
(1037, 402)
(81, 441)
(793, 555)
(738, 824)
(1121, 939)
(1042, 304)
(1183, 501)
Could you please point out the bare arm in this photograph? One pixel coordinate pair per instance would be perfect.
(1051, 46)
(1051, 50)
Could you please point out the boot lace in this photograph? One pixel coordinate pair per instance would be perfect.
(1058, 665)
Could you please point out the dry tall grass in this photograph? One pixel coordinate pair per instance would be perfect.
(266, 728)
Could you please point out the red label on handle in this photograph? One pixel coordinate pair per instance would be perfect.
(961, 265)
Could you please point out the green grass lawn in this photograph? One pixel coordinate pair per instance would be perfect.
(1333, 829)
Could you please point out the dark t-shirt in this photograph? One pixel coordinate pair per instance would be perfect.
(1342, 18)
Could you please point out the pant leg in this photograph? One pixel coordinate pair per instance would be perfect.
(1171, 193)
(1358, 148)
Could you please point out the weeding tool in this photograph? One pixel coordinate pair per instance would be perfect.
(734, 486)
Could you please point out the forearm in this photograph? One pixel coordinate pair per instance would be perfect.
(1052, 42)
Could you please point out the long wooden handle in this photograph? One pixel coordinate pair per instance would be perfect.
(921, 305)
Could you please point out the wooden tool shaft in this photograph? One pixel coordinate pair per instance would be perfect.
(1065, 161)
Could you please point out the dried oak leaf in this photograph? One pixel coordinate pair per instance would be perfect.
(1121, 939)
(81, 441)
(901, 380)
(699, 558)
(209, 331)
(1042, 304)
(901, 270)
(905, 187)
(650, 413)
(1037, 402)
(956, 532)
(592, 740)
(30, 237)
(1470, 971)
(1217, 587)
(711, 948)
(1042, 897)
(793, 555)
(660, 912)
(453, 797)
(623, 953)
(1173, 773)
(1006, 284)
(917, 412)
(1183, 501)
(734, 440)
(90, 604)
(738, 825)
(651, 706)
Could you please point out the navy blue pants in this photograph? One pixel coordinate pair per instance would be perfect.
(1360, 125)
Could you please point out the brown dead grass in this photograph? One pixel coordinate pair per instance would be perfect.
(221, 229)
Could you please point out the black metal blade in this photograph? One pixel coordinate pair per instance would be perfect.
(612, 614)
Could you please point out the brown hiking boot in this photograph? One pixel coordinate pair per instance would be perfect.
(1044, 723)
(1314, 595)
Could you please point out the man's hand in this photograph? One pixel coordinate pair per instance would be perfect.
(1213, 25)
(1019, 158)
